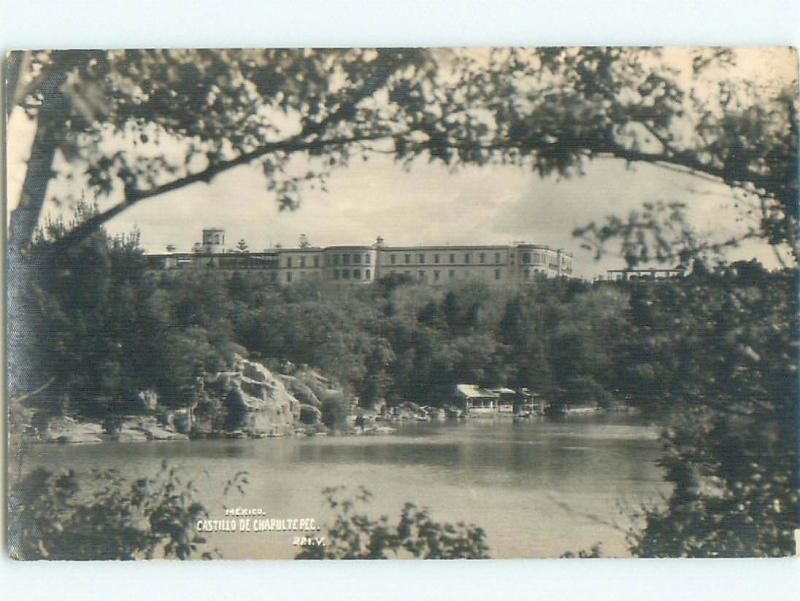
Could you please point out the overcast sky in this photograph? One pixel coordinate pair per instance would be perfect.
(428, 205)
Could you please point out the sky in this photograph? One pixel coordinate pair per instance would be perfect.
(426, 205)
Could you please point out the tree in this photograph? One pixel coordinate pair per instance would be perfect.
(303, 241)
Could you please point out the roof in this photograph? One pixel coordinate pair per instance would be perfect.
(474, 391)
(504, 391)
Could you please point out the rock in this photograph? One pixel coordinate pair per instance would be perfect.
(146, 400)
(131, 436)
(78, 438)
(256, 400)
(183, 421)
(380, 431)
(309, 414)
(300, 390)
(69, 430)
(162, 434)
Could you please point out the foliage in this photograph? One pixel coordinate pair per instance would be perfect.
(594, 552)
(54, 516)
(355, 535)
(549, 109)
(335, 410)
(104, 330)
(730, 392)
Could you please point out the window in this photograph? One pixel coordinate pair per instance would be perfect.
(526, 258)
(482, 257)
(216, 239)
(408, 273)
(345, 274)
(356, 259)
(302, 261)
(393, 259)
(367, 274)
(435, 258)
(288, 276)
(408, 259)
(367, 259)
(335, 274)
(467, 257)
(356, 274)
(316, 261)
(421, 275)
(435, 276)
(421, 259)
(345, 259)
(452, 257)
(528, 273)
(451, 274)
(335, 259)
(288, 261)
(497, 258)
(497, 274)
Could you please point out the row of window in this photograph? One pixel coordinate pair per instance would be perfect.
(345, 274)
(421, 258)
(356, 274)
(290, 275)
(348, 259)
(302, 262)
(451, 274)
(538, 257)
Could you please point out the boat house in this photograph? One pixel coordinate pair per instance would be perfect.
(476, 400)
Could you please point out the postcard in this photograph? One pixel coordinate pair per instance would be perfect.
(440, 303)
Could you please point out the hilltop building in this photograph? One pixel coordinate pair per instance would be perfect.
(518, 262)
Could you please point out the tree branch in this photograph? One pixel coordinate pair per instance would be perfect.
(298, 142)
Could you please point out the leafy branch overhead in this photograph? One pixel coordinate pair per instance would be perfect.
(185, 116)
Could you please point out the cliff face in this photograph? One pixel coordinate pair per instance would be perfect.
(255, 400)
(248, 401)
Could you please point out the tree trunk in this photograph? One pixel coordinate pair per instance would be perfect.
(25, 217)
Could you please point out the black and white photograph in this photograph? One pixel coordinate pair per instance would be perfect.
(402, 303)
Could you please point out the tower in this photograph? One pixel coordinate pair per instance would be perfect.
(213, 240)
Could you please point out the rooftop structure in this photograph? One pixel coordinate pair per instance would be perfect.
(643, 274)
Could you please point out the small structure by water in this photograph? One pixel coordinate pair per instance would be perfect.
(476, 401)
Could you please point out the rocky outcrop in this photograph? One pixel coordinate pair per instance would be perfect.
(68, 430)
(257, 401)
(250, 401)
(300, 390)
(139, 429)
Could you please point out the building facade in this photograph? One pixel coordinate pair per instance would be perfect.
(433, 265)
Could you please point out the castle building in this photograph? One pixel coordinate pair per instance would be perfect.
(434, 265)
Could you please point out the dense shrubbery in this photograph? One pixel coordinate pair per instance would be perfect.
(55, 516)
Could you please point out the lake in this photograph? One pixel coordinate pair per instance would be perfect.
(538, 488)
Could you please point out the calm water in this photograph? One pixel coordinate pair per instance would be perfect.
(538, 488)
